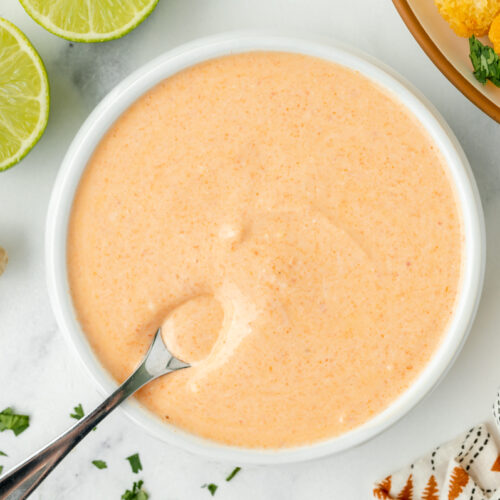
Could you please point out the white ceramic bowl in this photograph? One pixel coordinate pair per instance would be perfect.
(119, 99)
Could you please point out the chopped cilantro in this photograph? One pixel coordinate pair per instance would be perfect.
(135, 462)
(100, 464)
(2, 454)
(485, 61)
(1, 468)
(235, 471)
(137, 493)
(79, 413)
(11, 421)
(212, 488)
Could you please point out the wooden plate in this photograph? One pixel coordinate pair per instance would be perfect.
(449, 52)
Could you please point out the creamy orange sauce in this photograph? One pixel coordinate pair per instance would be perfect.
(293, 227)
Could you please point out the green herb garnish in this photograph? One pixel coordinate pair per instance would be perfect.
(79, 413)
(485, 61)
(235, 471)
(210, 487)
(3, 455)
(13, 422)
(137, 493)
(100, 464)
(135, 463)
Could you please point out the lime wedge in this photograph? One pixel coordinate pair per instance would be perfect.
(24, 95)
(89, 20)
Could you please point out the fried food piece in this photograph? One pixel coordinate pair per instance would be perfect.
(469, 17)
(3, 260)
(494, 34)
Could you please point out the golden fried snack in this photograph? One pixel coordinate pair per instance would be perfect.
(494, 34)
(3, 260)
(469, 17)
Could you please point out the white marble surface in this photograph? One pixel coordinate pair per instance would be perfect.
(39, 373)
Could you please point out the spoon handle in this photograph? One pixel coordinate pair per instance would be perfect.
(19, 483)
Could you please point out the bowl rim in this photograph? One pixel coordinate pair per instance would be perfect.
(144, 78)
(442, 63)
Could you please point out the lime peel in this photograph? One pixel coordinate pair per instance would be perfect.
(24, 95)
(76, 20)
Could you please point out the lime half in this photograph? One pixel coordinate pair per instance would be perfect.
(89, 20)
(24, 95)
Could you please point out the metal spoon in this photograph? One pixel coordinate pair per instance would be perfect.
(21, 481)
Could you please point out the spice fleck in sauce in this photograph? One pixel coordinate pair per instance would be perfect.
(294, 228)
